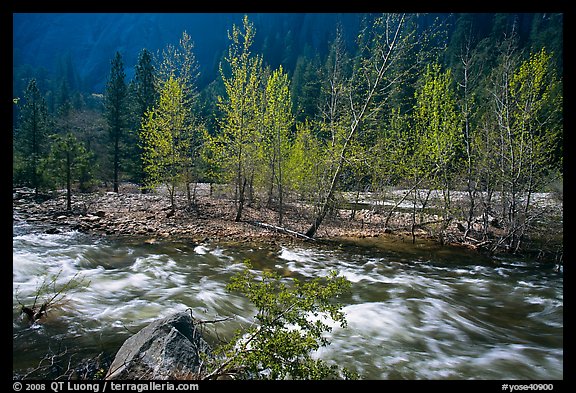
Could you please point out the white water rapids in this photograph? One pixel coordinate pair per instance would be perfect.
(413, 312)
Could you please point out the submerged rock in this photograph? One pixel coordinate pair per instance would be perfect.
(168, 348)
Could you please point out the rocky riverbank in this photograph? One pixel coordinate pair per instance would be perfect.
(149, 217)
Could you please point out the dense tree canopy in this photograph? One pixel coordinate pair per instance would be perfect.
(460, 102)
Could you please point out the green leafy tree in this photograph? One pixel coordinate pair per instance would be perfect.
(67, 162)
(526, 105)
(234, 148)
(306, 166)
(144, 96)
(391, 159)
(31, 137)
(292, 319)
(278, 121)
(166, 136)
(179, 62)
(440, 146)
(116, 111)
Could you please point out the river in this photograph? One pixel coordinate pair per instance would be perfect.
(414, 312)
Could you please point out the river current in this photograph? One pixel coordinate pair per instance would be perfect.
(414, 311)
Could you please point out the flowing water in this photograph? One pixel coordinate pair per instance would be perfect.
(414, 312)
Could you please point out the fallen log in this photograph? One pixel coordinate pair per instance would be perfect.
(281, 230)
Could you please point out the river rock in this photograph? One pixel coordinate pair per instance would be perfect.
(168, 348)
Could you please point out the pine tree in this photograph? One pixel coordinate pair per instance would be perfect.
(116, 109)
(67, 162)
(31, 137)
(145, 96)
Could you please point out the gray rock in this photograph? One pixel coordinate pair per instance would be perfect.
(168, 348)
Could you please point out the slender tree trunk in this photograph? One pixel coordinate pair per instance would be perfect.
(116, 159)
(68, 182)
(171, 191)
(329, 200)
(413, 226)
(393, 209)
(241, 199)
(144, 188)
(354, 207)
(272, 180)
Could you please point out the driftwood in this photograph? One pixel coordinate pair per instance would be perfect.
(281, 230)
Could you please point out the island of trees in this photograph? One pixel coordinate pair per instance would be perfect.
(459, 121)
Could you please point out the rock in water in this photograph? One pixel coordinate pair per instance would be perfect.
(168, 348)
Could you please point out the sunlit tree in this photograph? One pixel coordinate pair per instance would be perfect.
(234, 148)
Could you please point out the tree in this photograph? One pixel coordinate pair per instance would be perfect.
(166, 139)
(305, 88)
(180, 63)
(278, 121)
(392, 159)
(372, 81)
(291, 322)
(68, 161)
(306, 166)
(88, 127)
(31, 137)
(145, 96)
(116, 109)
(234, 148)
(468, 69)
(525, 105)
(437, 123)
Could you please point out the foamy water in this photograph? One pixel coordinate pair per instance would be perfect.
(410, 316)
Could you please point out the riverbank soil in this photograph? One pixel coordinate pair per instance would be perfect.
(210, 218)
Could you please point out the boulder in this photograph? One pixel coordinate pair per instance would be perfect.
(168, 348)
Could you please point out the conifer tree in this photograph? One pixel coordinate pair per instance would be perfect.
(31, 137)
(116, 107)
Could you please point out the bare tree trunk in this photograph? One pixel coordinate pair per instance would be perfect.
(116, 159)
(413, 226)
(68, 182)
(241, 200)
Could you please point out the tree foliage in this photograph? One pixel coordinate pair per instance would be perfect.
(143, 97)
(234, 148)
(31, 137)
(67, 162)
(291, 320)
(277, 121)
(167, 138)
